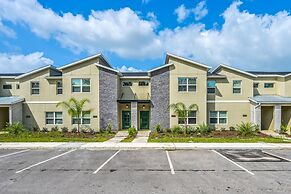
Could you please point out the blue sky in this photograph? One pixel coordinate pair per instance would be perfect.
(136, 34)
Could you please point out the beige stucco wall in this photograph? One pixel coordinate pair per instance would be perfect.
(142, 92)
(185, 69)
(8, 92)
(279, 86)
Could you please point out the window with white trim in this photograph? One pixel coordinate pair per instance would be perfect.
(236, 86)
(34, 87)
(59, 87)
(211, 87)
(268, 85)
(218, 117)
(81, 85)
(84, 120)
(191, 118)
(187, 84)
(7, 86)
(53, 118)
(126, 83)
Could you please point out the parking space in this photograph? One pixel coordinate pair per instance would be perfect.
(145, 171)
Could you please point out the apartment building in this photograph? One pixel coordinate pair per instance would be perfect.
(225, 95)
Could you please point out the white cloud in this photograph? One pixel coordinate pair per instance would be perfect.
(127, 69)
(6, 30)
(245, 40)
(13, 63)
(199, 11)
(182, 13)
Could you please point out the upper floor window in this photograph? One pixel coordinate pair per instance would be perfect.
(236, 86)
(218, 117)
(17, 86)
(126, 83)
(211, 87)
(81, 85)
(7, 86)
(59, 87)
(53, 118)
(84, 120)
(268, 85)
(187, 84)
(34, 87)
(143, 83)
(191, 118)
(256, 85)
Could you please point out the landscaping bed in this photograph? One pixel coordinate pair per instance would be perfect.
(213, 137)
(56, 136)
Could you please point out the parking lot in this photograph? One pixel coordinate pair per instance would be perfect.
(145, 171)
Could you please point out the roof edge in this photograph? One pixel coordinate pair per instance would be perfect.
(185, 59)
(36, 71)
(232, 68)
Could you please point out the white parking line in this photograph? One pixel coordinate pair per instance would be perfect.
(246, 170)
(275, 155)
(108, 160)
(45, 161)
(170, 163)
(6, 155)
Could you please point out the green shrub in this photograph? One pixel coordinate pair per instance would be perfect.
(74, 130)
(231, 128)
(15, 128)
(246, 129)
(158, 128)
(45, 129)
(55, 128)
(178, 129)
(87, 129)
(283, 128)
(190, 130)
(132, 131)
(65, 129)
(109, 128)
(35, 129)
(169, 130)
(203, 129)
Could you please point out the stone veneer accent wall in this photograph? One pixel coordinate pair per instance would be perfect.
(160, 98)
(108, 110)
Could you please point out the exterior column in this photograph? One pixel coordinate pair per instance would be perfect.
(10, 115)
(134, 115)
(257, 115)
(277, 117)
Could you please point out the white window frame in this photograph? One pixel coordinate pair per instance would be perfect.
(82, 119)
(269, 83)
(146, 83)
(54, 118)
(211, 87)
(122, 83)
(187, 119)
(7, 85)
(33, 88)
(187, 84)
(233, 87)
(59, 87)
(81, 85)
(218, 117)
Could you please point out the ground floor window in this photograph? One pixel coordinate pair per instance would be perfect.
(84, 120)
(218, 117)
(191, 118)
(53, 118)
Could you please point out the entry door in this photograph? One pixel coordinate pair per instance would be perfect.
(126, 119)
(144, 119)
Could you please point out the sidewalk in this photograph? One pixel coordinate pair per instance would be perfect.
(120, 135)
(128, 146)
(141, 137)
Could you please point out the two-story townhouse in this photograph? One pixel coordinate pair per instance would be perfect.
(225, 95)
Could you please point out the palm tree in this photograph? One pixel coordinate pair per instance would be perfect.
(181, 110)
(74, 108)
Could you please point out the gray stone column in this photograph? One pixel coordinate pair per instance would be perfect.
(257, 115)
(134, 115)
(277, 117)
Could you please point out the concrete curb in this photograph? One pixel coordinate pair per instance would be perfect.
(134, 146)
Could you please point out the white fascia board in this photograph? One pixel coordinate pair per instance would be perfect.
(160, 67)
(108, 68)
(188, 60)
(80, 61)
(135, 77)
(234, 69)
(8, 77)
(35, 71)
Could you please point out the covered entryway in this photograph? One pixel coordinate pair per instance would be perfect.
(126, 119)
(144, 119)
(267, 118)
(10, 110)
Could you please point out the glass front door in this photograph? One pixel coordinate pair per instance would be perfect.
(126, 119)
(144, 119)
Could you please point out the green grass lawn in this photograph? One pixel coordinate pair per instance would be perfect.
(55, 137)
(127, 139)
(182, 138)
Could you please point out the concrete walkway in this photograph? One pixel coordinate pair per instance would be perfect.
(120, 135)
(130, 146)
(142, 137)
